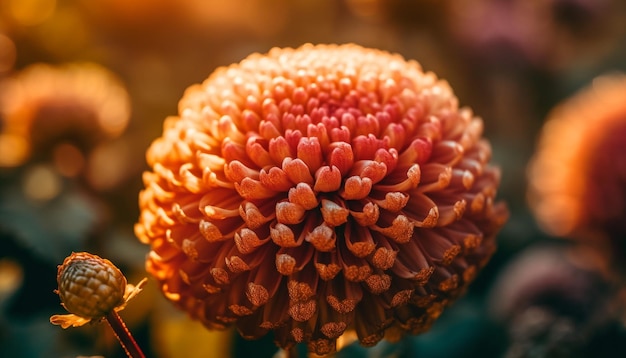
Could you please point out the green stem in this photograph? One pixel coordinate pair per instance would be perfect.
(123, 335)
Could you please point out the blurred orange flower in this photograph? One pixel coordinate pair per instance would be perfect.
(43, 106)
(316, 190)
(578, 175)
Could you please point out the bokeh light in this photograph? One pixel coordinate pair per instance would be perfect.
(11, 277)
(41, 183)
(29, 12)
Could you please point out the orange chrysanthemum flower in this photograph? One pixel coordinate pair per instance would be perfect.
(314, 190)
(44, 105)
(578, 175)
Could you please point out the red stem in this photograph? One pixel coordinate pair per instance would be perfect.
(123, 335)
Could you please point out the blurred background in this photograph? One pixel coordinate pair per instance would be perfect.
(106, 73)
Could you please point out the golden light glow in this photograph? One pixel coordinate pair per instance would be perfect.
(11, 277)
(41, 183)
(108, 164)
(14, 149)
(30, 12)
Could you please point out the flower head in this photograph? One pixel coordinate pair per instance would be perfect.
(578, 175)
(314, 190)
(554, 300)
(566, 280)
(91, 287)
(46, 108)
(546, 34)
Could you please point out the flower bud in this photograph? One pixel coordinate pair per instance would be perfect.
(90, 286)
